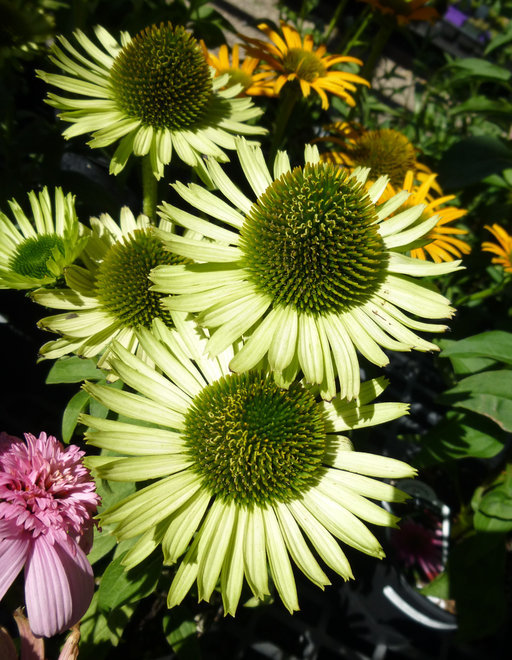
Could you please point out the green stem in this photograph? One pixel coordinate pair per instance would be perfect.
(290, 96)
(149, 189)
(335, 18)
(381, 39)
(365, 19)
(485, 293)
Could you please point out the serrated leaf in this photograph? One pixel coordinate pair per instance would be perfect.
(488, 394)
(76, 405)
(73, 370)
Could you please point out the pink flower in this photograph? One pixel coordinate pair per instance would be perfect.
(47, 499)
(417, 545)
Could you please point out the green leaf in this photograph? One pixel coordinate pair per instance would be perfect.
(439, 587)
(500, 39)
(485, 105)
(474, 67)
(488, 394)
(112, 492)
(73, 370)
(180, 630)
(497, 503)
(490, 524)
(76, 405)
(460, 435)
(472, 159)
(119, 586)
(99, 632)
(102, 545)
(496, 345)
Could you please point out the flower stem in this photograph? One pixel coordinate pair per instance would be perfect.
(335, 18)
(492, 290)
(149, 189)
(289, 98)
(365, 19)
(381, 39)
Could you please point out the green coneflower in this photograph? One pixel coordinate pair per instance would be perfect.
(35, 249)
(153, 92)
(305, 274)
(109, 298)
(244, 471)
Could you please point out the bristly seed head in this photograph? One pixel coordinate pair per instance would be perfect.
(305, 64)
(122, 282)
(386, 152)
(162, 78)
(253, 443)
(32, 255)
(310, 241)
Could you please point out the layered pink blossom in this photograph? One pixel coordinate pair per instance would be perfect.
(47, 499)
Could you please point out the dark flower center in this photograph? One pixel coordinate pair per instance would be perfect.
(311, 241)
(162, 78)
(254, 443)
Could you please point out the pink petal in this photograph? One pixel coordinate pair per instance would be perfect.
(32, 648)
(14, 549)
(58, 586)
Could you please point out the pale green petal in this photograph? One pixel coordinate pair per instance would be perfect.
(344, 418)
(209, 203)
(130, 439)
(229, 189)
(193, 278)
(249, 310)
(386, 209)
(377, 188)
(373, 465)
(279, 562)
(412, 234)
(258, 344)
(142, 140)
(344, 355)
(399, 263)
(321, 539)
(254, 166)
(145, 545)
(375, 332)
(62, 299)
(135, 406)
(340, 522)
(362, 340)
(204, 227)
(309, 349)
(298, 548)
(83, 323)
(233, 569)
(138, 468)
(401, 221)
(157, 507)
(185, 576)
(311, 154)
(284, 342)
(213, 546)
(378, 305)
(184, 524)
(412, 297)
(203, 250)
(356, 504)
(255, 559)
(281, 164)
(366, 486)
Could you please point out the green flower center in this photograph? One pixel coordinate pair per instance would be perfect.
(122, 282)
(386, 152)
(310, 241)
(31, 257)
(238, 76)
(254, 443)
(304, 63)
(162, 78)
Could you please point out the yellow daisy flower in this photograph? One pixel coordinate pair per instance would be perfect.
(503, 250)
(385, 151)
(442, 242)
(254, 84)
(292, 59)
(405, 11)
